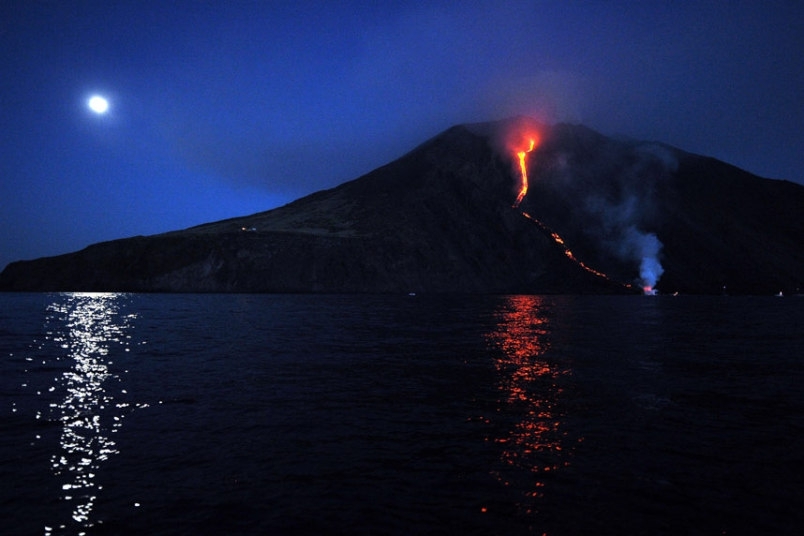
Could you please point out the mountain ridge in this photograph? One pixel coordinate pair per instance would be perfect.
(440, 218)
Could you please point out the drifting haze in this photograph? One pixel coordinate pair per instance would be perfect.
(609, 190)
(223, 110)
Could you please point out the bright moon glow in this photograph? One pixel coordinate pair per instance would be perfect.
(98, 104)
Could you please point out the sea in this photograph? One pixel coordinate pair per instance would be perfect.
(226, 414)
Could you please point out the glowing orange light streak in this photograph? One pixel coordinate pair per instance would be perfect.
(557, 239)
(567, 251)
(523, 171)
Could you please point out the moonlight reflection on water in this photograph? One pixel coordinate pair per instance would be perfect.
(90, 409)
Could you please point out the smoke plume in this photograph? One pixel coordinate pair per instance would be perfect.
(625, 222)
(646, 247)
(610, 188)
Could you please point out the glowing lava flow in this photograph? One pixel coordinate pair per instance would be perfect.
(523, 171)
(567, 251)
(556, 238)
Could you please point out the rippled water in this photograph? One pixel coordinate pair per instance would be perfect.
(264, 414)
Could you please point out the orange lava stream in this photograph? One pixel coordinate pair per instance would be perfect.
(523, 171)
(567, 251)
(523, 190)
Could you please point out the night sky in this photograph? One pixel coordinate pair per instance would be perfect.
(222, 109)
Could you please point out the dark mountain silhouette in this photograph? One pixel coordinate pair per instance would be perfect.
(440, 219)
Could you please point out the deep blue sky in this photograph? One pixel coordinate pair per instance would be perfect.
(222, 109)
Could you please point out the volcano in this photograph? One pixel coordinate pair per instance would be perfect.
(601, 215)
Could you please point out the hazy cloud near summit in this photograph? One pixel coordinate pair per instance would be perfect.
(547, 96)
(406, 79)
(298, 160)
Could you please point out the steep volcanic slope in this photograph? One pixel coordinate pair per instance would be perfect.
(702, 225)
(442, 219)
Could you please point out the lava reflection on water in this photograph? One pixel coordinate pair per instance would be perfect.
(87, 326)
(530, 394)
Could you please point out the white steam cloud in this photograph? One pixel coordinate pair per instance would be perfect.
(620, 213)
(646, 247)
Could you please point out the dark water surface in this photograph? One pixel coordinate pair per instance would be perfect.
(261, 414)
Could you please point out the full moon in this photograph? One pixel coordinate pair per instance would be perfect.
(98, 104)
